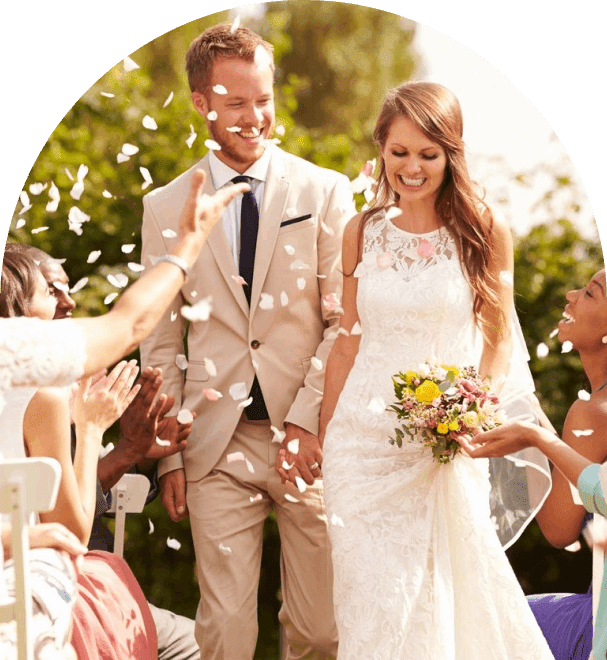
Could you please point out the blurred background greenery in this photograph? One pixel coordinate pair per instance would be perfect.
(332, 72)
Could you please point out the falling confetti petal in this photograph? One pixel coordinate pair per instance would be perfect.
(53, 194)
(542, 350)
(249, 465)
(122, 158)
(209, 365)
(321, 277)
(554, 333)
(93, 256)
(129, 64)
(301, 484)
(234, 129)
(287, 466)
(293, 446)
(70, 176)
(336, 521)
(110, 297)
(266, 302)
(129, 149)
(181, 361)
(220, 89)
(291, 212)
(107, 195)
(169, 99)
(256, 498)
(278, 434)
(151, 527)
(80, 284)
(506, 278)
(566, 347)
(20, 223)
(235, 456)
(298, 264)
(61, 286)
(235, 25)
(184, 416)
(173, 543)
(135, 267)
(290, 250)
(39, 229)
(212, 116)
(37, 188)
(581, 434)
(261, 57)
(284, 299)
(238, 391)
(583, 395)
(574, 547)
(173, 316)
(169, 233)
(224, 549)
(149, 122)
(198, 312)
(211, 394)
(368, 195)
(290, 498)
(119, 280)
(163, 443)
(280, 129)
(127, 248)
(239, 280)
(108, 95)
(212, 145)
(316, 363)
(361, 182)
(393, 212)
(193, 294)
(377, 405)
(245, 403)
(356, 330)
(301, 283)
(147, 177)
(75, 219)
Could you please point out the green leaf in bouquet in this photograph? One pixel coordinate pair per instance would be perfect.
(445, 385)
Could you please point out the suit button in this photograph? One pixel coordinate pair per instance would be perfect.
(255, 344)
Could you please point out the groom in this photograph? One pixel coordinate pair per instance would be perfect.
(255, 364)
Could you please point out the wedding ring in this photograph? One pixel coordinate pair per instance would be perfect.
(314, 466)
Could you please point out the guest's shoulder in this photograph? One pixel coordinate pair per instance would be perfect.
(587, 419)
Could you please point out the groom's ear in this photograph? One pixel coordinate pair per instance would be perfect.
(201, 105)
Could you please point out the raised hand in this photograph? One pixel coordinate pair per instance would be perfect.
(171, 431)
(306, 462)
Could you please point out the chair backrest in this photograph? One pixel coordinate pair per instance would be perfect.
(128, 496)
(27, 486)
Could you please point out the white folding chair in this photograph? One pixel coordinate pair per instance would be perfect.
(128, 496)
(27, 486)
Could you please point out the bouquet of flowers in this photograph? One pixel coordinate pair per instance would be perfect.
(438, 404)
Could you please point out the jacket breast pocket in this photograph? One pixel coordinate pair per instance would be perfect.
(296, 224)
(196, 371)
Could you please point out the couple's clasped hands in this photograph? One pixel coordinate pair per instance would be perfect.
(299, 456)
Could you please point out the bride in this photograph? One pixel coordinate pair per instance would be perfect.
(419, 569)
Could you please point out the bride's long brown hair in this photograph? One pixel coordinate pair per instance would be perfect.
(436, 112)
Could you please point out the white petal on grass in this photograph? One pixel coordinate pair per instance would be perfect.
(122, 158)
(377, 405)
(147, 177)
(393, 212)
(173, 543)
(129, 64)
(108, 95)
(37, 188)
(316, 363)
(209, 365)
(266, 302)
(211, 394)
(506, 278)
(336, 521)
(234, 129)
(291, 498)
(80, 284)
(356, 330)
(235, 24)
(284, 299)
(20, 223)
(162, 443)
(198, 312)
(149, 122)
(135, 267)
(574, 547)
(93, 256)
(583, 433)
(220, 89)
(212, 116)
(293, 446)
(38, 230)
(169, 233)
(238, 391)
(212, 145)
(301, 283)
(301, 484)
(279, 435)
(554, 333)
(542, 350)
(110, 297)
(181, 361)
(261, 57)
(184, 416)
(119, 280)
(290, 250)
(566, 347)
(299, 264)
(583, 395)
(129, 149)
(151, 527)
(245, 403)
(107, 195)
(224, 549)
(169, 99)
(127, 248)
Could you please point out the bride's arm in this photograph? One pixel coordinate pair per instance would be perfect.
(344, 351)
(497, 330)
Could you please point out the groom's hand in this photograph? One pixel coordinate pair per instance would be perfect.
(172, 494)
(306, 463)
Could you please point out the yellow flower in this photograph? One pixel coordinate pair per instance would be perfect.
(410, 375)
(427, 392)
(453, 426)
(442, 428)
(450, 367)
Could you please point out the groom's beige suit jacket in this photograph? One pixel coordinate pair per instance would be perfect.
(297, 262)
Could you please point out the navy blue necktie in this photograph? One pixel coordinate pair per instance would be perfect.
(249, 225)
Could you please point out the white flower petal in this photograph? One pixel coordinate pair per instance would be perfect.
(245, 403)
(224, 549)
(173, 543)
(110, 297)
(290, 250)
(184, 416)
(583, 433)
(356, 330)
(554, 333)
(149, 122)
(336, 521)
(238, 391)
(173, 316)
(299, 264)
(129, 64)
(280, 129)
(287, 466)
(119, 280)
(220, 89)
(70, 176)
(574, 547)
(256, 498)
(266, 302)
(583, 395)
(122, 158)
(191, 139)
(83, 170)
(212, 116)
(37, 188)
(235, 24)
(301, 283)
(20, 223)
(377, 405)
(147, 177)
(162, 443)
(235, 456)
(393, 212)
(181, 361)
(38, 230)
(108, 95)
(129, 149)
(151, 527)
(291, 212)
(293, 446)
(262, 58)
(507, 278)
(169, 233)
(107, 195)
(566, 347)
(93, 256)
(239, 280)
(249, 465)
(127, 248)
(290, 498)
(209, 365)
(211, 394)
(80, 284)
(284, 299)
(136, 268)
(201, 311)
(169, 99)
(301, 484)
(212, 145)
(542, 350)
(279, 435)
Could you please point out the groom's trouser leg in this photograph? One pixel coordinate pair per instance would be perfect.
(227, 519)
(306, 573)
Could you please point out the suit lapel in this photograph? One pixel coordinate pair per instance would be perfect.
(218, 244)
(272, 211)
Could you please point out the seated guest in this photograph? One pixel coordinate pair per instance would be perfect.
(567, 620)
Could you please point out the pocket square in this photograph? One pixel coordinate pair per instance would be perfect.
(292, 221)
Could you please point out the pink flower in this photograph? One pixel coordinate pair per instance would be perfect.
(425, 249)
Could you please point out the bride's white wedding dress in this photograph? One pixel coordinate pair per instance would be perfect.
(419, 569)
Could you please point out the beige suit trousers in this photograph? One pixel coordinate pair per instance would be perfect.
(227, 509)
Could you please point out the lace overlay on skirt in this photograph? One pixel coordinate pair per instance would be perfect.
(419, 569)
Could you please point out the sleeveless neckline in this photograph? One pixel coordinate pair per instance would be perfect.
(425, 234)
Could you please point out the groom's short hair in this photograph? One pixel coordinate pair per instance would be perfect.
(219, 41)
